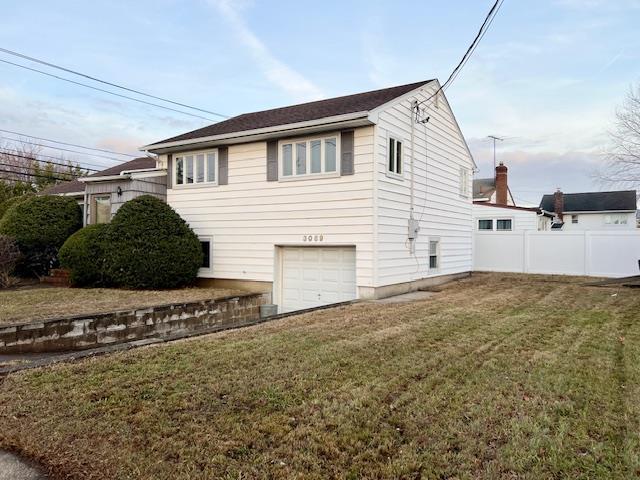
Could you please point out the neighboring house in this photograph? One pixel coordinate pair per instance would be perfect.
(592, 210)
(102, 193)
(495, 211)
(331, 200)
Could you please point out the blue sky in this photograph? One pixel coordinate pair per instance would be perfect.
(547, 76)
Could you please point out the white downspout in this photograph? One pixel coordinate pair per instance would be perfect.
(411, 226)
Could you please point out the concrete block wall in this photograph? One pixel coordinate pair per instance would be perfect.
(88, 331)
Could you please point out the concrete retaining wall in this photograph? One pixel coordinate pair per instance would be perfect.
(88, 331)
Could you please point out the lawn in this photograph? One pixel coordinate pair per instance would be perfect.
(28, 304)
(497, 376)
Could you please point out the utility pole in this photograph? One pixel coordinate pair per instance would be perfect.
(494, 138)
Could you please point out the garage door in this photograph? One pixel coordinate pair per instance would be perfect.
(314, 276)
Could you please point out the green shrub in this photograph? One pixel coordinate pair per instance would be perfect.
(83, 254)
(40, 225)
(150, 246)
(10, 202)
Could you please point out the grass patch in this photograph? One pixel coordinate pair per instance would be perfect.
(499, 376)
(31, 304)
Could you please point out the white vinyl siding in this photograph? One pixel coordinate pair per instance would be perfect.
(249, 217)
(438, 205)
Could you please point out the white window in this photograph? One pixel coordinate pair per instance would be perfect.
(485, 224)
(615, 219)
(309, 156)
(206, 244)
(196, 168)
(504, 224)
(464, 182)
(394, 160)
(434, 254)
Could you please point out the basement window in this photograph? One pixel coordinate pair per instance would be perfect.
(205, 244)
(395, 156)
(434, 254)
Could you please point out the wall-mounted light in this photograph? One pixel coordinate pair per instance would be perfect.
(119, 191)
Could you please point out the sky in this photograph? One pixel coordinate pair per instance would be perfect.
(547, 77)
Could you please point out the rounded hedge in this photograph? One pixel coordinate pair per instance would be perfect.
(150, 246)
(40, 225)
(10, 202)
(83, 254)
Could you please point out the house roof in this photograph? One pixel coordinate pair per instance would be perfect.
(512, 207)
(76, 186)
(483, 187)
(593, 201)
(303, 112)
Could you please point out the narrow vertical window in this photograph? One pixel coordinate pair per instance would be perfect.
(206, 253)
(189, 168)
(179, 171)
(330, 155)
(316, 156)
(301, 158)
(395, 156)
(287, 160)
(392, 155)
(433, 254)
(211, 167)
(200, 168)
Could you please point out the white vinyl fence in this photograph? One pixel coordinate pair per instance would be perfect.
(592, 253)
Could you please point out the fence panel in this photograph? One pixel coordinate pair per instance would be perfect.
(594, 253)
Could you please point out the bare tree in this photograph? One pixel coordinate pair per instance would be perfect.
(623, 159)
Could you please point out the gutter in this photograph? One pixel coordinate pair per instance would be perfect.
(249, 135)
(141, 173)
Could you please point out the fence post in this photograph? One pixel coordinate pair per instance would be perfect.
(587, 253)
(525, 250)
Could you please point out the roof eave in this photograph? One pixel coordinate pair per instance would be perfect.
(348, 120)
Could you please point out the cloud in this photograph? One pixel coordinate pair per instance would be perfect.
(278, 73)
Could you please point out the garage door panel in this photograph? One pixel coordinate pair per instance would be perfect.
(314, 276)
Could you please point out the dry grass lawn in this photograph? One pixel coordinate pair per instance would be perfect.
(498, 376)
(30, 304)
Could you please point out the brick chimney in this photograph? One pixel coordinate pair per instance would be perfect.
(558, 204)
(502, 188)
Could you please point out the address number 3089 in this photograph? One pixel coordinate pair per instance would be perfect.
(312, 238)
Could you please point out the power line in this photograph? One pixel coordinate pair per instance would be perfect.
(105, 91)
(17, 153)
(59, 148)
(69, 144)
(111, 84)
(33, 175)
(26, 157)
(35, 169)
(483, 29)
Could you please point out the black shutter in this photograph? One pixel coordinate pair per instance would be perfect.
(272, 161)
(223, 165)
(169, 171)
(346, 154)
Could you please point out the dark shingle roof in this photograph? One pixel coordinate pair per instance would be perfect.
(73, 186)
(593, 201)
(300, 113)
(76, 186)
(483, 187)
(135, 164)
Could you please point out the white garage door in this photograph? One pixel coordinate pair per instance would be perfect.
(314, 276)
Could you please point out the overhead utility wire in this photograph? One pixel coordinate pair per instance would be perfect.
(35, 159)
(106, 91)
(69, 144)
(53, 173)
(111, 84)
(33, 175)
(59, 148)
(483, 28)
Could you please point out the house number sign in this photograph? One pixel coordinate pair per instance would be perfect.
(313, 238)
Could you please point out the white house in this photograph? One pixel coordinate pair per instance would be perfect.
(361, 196)
(592, 210)
(495, 211)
